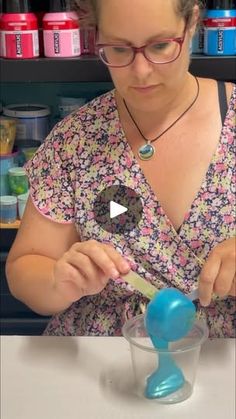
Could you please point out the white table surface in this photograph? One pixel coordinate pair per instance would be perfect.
(89, 378)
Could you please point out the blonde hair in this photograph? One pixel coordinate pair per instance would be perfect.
(89, 10)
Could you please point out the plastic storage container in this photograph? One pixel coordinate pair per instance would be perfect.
(61, 32)
(7, 161)
(8, 209)
(220, 28)
(27, 148)
(18, 181)
(32, 120)
(7, 134)
(70, 104)
(22, 199)
(19, 30)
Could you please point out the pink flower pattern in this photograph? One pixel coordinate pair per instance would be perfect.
(87, 152)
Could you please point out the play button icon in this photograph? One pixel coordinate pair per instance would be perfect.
(118, 209)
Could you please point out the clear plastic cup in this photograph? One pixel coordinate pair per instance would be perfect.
(183, 354)
(22, 200)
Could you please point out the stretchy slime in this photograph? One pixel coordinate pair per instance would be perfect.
(170, 316)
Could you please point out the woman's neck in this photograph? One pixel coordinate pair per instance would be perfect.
(166, 110)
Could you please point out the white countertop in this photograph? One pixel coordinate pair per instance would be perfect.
(89, 378)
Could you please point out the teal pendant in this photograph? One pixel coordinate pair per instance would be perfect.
(146, 152)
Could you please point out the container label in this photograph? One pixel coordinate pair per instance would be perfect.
(60, 25)
(75, 42)
(220, 41)
(36, 43)
(64, 43)
(20, 44)
(56, 39)
(224, 22)
(19, 26)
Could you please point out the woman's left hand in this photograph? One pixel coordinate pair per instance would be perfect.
(218, 274)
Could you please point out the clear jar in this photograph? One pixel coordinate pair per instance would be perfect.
(8, 209)
(18, 181)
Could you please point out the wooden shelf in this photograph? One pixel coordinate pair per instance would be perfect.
(15, 225)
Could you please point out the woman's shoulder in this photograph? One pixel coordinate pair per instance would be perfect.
(100, 108)
(76, 132)
(92, 116)
(211, 85)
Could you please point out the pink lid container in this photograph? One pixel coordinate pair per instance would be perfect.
(61, 34)
(19, 35)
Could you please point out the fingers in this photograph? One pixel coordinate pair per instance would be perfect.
(208, 276)
(110, 262)
(86, 268)
(217, 276)
(120, 262)
(83, 264)
(224, 279)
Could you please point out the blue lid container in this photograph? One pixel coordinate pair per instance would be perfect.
(220, 28)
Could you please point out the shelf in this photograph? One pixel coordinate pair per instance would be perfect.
(14, 225)
(91, 69)
(79, 69)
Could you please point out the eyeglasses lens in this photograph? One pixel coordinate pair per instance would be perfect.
(158, 53)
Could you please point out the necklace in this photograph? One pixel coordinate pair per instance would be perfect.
(146, 151)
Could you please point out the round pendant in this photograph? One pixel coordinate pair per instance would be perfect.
(146, 152)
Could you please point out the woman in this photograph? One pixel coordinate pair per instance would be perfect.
(158, 132)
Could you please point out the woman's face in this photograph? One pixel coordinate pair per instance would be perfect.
(136, 22)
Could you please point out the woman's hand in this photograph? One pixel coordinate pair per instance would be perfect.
(218, 273)
(86, 268)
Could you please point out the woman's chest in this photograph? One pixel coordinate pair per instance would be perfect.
(179, 167)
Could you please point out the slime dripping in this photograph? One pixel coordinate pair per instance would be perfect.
(170, 316)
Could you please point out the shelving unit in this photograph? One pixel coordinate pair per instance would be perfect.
(90, 69)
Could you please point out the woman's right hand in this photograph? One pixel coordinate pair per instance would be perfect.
(86, 268)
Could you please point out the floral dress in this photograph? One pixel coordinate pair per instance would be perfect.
(88, 152)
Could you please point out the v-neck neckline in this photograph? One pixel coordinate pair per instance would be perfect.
(215, 157)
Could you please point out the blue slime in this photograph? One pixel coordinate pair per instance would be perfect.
(170, 316)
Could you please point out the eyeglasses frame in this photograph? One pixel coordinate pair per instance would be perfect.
(178, 40)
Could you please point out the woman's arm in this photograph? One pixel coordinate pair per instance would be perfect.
(48, 268)
(30, 263)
